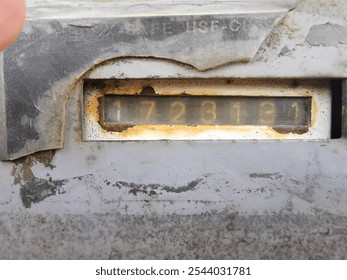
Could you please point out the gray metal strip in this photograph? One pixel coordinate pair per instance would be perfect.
(3, 120)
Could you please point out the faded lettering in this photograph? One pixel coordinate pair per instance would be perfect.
(170, 28)
(235, 25)
(167, 28)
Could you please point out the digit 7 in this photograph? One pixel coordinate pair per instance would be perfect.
(147, 109)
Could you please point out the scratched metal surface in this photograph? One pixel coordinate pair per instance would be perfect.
(176, 200)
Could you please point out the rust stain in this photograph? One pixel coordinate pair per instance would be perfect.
(157, 189)
(314, 111)
(168, 131)
(120, 128)
(295, 130)
(22, 172)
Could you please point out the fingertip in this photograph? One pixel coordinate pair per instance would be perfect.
(12, 18)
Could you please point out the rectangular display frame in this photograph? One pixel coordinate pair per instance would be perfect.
(95, 128)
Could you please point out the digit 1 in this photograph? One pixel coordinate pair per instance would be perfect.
(117, 105)
(297, 116)
(235, 110)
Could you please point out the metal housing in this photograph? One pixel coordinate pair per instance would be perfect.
(62, 197)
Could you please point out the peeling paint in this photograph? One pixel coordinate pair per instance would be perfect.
(21, 170)
(155, 189)
(36, 190)
(296, 130)
(327, 34)
(271, 176)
